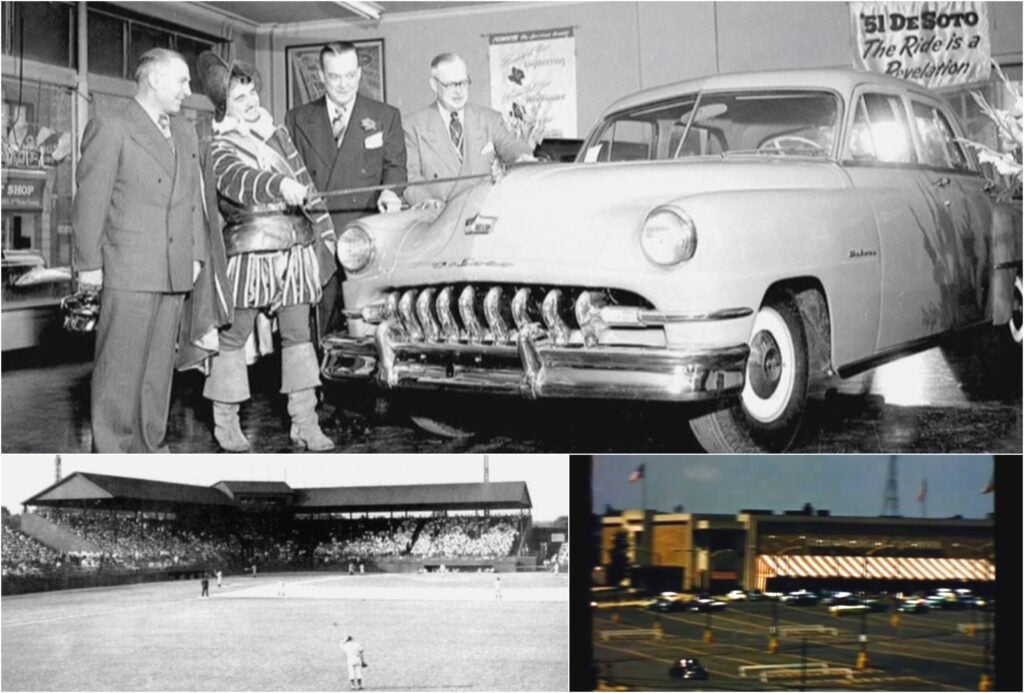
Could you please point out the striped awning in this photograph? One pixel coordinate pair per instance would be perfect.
(873, 567)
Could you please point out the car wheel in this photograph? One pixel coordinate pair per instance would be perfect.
(441, 427)
(768, 414)
(1015, 315)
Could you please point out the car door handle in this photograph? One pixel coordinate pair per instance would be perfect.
(941, 182)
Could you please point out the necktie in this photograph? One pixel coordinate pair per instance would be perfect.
(163, 121)
(455, 130)
(338, 126)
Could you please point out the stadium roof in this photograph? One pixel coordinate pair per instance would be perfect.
(100, 490)
(116, 492)
(494, 495)
(237, 487)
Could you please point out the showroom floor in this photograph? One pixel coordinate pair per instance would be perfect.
(938, 401)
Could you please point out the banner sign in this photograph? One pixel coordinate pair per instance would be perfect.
(936, 44)
(533, 82)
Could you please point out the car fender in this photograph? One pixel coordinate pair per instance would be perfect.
(750, 241)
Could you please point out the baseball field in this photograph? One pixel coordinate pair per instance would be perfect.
(418, 632)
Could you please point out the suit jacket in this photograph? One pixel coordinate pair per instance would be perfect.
(431, 153)
(372, 152)
(138, 212)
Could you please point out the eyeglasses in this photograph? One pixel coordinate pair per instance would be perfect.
(462, 84)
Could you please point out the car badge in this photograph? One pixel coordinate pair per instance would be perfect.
(478, 225)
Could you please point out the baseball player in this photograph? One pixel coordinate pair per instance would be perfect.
(220, 575)
(354, 653)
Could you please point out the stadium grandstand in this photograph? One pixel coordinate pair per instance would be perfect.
(761, 550)
(91, 529)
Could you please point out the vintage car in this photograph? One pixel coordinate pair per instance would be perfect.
(735, 244)
(688, 668)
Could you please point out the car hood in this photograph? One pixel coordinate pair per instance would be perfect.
(541, 219)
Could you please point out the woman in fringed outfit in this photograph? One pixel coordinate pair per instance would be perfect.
(279, 245)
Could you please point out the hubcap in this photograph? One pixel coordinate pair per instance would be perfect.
(764, 367)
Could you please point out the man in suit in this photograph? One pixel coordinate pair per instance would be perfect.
(140, 237)
(452, 137)
(348, 140)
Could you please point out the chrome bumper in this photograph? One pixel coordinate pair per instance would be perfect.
(535, 366)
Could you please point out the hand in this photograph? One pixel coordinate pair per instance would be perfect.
(90, 280)
(389, 202)
(293, 192)
(197, 267)
(432, 203)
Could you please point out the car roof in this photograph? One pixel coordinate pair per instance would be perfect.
(843, 80)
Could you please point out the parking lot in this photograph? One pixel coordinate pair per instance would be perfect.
(925, 652)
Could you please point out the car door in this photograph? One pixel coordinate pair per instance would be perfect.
(961, 242)
(882, 161)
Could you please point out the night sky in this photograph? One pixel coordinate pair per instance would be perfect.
(844, 484)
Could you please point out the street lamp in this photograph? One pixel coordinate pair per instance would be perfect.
(773, 631)
(862, 656)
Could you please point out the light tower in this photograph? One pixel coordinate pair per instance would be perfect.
(891, 504)
(56, 470)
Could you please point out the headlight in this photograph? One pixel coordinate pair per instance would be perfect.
(668, 236)
(355, 248)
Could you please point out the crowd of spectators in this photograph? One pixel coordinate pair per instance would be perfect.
(136, 541)
(23, 555)
(366, 539)
(465, 537)
(131, 541)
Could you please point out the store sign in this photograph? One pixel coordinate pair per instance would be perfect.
(558, 538)
(533, 82)
(23, 192)
(935, 44)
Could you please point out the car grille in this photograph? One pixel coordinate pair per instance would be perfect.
(496, 313)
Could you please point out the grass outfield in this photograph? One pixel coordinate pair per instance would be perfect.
(419, 633)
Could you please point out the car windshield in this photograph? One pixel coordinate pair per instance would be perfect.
(768, 122)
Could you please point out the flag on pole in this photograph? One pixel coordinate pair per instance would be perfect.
(924, 491)
(637, 475)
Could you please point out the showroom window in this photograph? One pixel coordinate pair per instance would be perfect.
(40, 31)
(118, 37)
(45, 32)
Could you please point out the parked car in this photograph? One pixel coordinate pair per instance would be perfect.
(756, 596)
(705, 605)
(736, 596)
(688, 668)
(913, 606)
(734, 244)
(670, 601)
(801, 598)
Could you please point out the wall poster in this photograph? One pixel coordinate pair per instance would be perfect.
(533, 82)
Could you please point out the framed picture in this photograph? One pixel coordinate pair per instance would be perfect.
(303, 81)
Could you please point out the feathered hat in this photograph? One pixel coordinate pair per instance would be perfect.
(215, 75)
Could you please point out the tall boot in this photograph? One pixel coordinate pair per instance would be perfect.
(226, 386)
(300, 375)
(305, 425)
